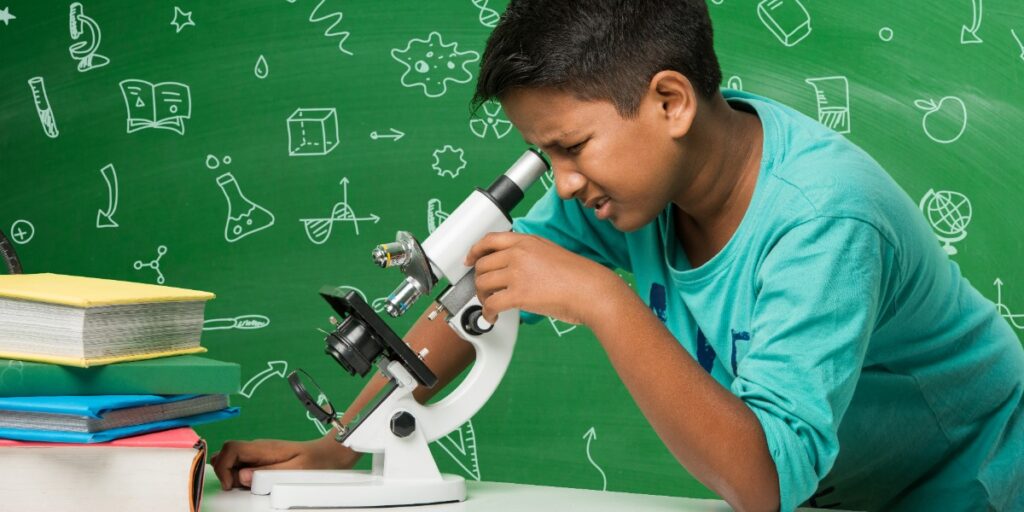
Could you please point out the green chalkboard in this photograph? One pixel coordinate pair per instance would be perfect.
(327, 123)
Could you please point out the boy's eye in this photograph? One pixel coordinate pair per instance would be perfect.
(575, 148)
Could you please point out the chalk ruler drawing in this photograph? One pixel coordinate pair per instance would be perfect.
(461, 446)
(787, 20)
(488, 17)
(105, 218)
(945, 121)
(332, 30)
(312, 131)
(492, 122)
(261, 70)
(949, 214)
(241, 322)
(435, 215)
(1016, 320)
(22, 231)
(318, 230)
(244, 216)
(395, 135)
(154, 264)
(6, 16)
(449, 161)
(969, 35)
(833, 97)
(87, 36)
(431, 64)
(180, 15)
(165, 105)
(274, 369)
(590, 436)
(42, 103)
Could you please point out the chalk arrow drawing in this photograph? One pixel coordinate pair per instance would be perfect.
(395, 135)
(969, 35)
(1019, 42)
(105, 218)
(1004, 309)
(274, 368)
(590, 436)
(460, 445)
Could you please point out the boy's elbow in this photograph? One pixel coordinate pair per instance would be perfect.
(756, 493)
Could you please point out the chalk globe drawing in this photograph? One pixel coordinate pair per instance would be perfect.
(949, 213)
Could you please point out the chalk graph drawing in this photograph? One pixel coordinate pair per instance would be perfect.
(590, 436)
(832, 94)
(787, 20)
(1020, 43)
(154, 264)
(43, 108)
(180, 15)
(274, 369)
(449, 161)
(312, 131)
(244, 216)
(435, 215)
(332, 30)
(240, 322)
(460, 445)
(944, 121)
(165, 105)
(488, 17)
(318, 230)
(86, 34)
(105, 218)
(1016, 320)
(969, 35)
(22, 231)
(261, 69)
(949, 214)
(13, 374)
(432, 64)
(492, 122)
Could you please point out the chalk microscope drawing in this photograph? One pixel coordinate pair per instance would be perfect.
(944, 121)
(832, 94)
(332, 30)
(461, 446)
(241, 322)
(590, 436)
(449, 161)
(6, 16)
(180, 15)
(394, 135)
(431, 64)
(274, 369)
(22, 232)
(105, 218)
(492, 122)
(312, 131)
(244, 216)
(969, 34)
(1016, 320)
(488, 17)
(318, 230)
(787, 20)
(949, 214)
(261, 70)
(154, 264)
(86, 33)
(435, 215)
(165, 105)
(42, 103)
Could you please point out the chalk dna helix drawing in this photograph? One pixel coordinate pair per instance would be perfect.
(431, 64)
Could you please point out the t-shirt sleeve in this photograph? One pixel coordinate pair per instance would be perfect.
(819, 291)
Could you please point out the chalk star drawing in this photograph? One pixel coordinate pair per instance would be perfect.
(22, 231)
(590, 436)
(274, 368)
(1005, 310)
(449, 160)
(318, 230)
(105, 218)
(178, 25)
(460, 445)
(155, 264)
(969, 35)
(493, 121)
(431, 64)
(6, 16)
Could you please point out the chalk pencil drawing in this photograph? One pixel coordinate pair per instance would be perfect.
(87, 36)
(431, 64)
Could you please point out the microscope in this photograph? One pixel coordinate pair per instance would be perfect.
(395, 428)
(84, 50)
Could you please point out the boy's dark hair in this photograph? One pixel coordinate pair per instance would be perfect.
(599, 49)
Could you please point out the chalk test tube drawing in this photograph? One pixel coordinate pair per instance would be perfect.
(318, 230)
(332, 30)
(105, 218)
(274, 369)
(590, 436)
(6, 16)
(395, 135)
(949, 213)
(833, 96)
(86, 33)
(431, 64)
(1020, 43)
(22, 231)
(449, 161)
(38, 88)
(261, 70)
(493, 121)
(735, 83)
(312, 131)
(165, 105)
(969, 35)
(155, 264)
(1016, 320)
(241, 322)
(435, 215)
(13, 374)
(488, 17)
(461, 446)
(561, 328)
(944, 122)
(182, 19)
(244, 216)
(788, 20)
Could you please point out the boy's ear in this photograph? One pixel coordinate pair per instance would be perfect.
(676, 99)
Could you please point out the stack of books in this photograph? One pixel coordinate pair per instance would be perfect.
(99, 389)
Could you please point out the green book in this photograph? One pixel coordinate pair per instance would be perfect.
(163, 376)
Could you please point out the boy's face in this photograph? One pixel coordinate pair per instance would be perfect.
(626, 169)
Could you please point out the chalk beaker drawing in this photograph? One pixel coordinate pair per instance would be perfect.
(833, 97)
(244, 216)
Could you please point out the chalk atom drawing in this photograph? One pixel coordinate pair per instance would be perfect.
(460, 445)
(969, 35)
(22, 231)
(1016, 320)
(318, 230)
(944, 121)
(431, 64)
(181, 19)
(86, 34)
(105, 218)
(274, 369)
(492, 122)
(312, 131)
(165, 105)
(449, 161)
(153, 264)
(42, 103)
(787, 20)
(949, 213)
(833, 97)
(244, 216)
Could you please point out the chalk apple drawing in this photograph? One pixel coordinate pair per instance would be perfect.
(945, 121)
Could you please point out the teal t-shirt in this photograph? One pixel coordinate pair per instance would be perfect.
(881, 378)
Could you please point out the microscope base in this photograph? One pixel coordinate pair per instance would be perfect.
(348, 488)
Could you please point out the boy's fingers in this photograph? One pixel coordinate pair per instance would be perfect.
(245, 474)
(490, 243)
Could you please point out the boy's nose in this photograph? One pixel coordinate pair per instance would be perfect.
(568, 182)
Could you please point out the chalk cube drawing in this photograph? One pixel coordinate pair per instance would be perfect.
(312, 131)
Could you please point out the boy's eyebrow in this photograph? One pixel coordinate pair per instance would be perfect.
(552, 142)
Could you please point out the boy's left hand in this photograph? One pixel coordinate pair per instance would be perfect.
(528, 272)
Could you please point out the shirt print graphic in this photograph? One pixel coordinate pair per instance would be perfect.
(658, 301)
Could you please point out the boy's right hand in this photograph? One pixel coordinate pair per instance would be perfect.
(236, 460)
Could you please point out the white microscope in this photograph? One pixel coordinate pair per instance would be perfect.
(396, 428)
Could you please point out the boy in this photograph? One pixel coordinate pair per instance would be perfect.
(805, 339)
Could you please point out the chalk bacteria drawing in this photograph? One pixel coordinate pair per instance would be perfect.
(493, 121)
(22, 231)
(155, 264)
(488, 17)
(449, 161)
(787, 20)
(240, 322)
(431, 64)
(13, 374)
(87, 36)
(561, 328)
(105, 218)
(244, 216)
(949, 214)
(1016, 320)
(969, 35)
(165, 105)
(395, 135)
(274, 369)
(590, 436)
(735, 83)
(460, 445)
(6, 16)
(1020, 43)
(261, 70)
(332, 30)
(944, 122)
(885, 34)
(435, 215)
(832, 94)
(180, 15)
(42, 103)
(318, 230)
(312, 131)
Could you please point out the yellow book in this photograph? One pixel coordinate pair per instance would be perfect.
(85, 321)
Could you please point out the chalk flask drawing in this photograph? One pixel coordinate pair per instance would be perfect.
(244, 216)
